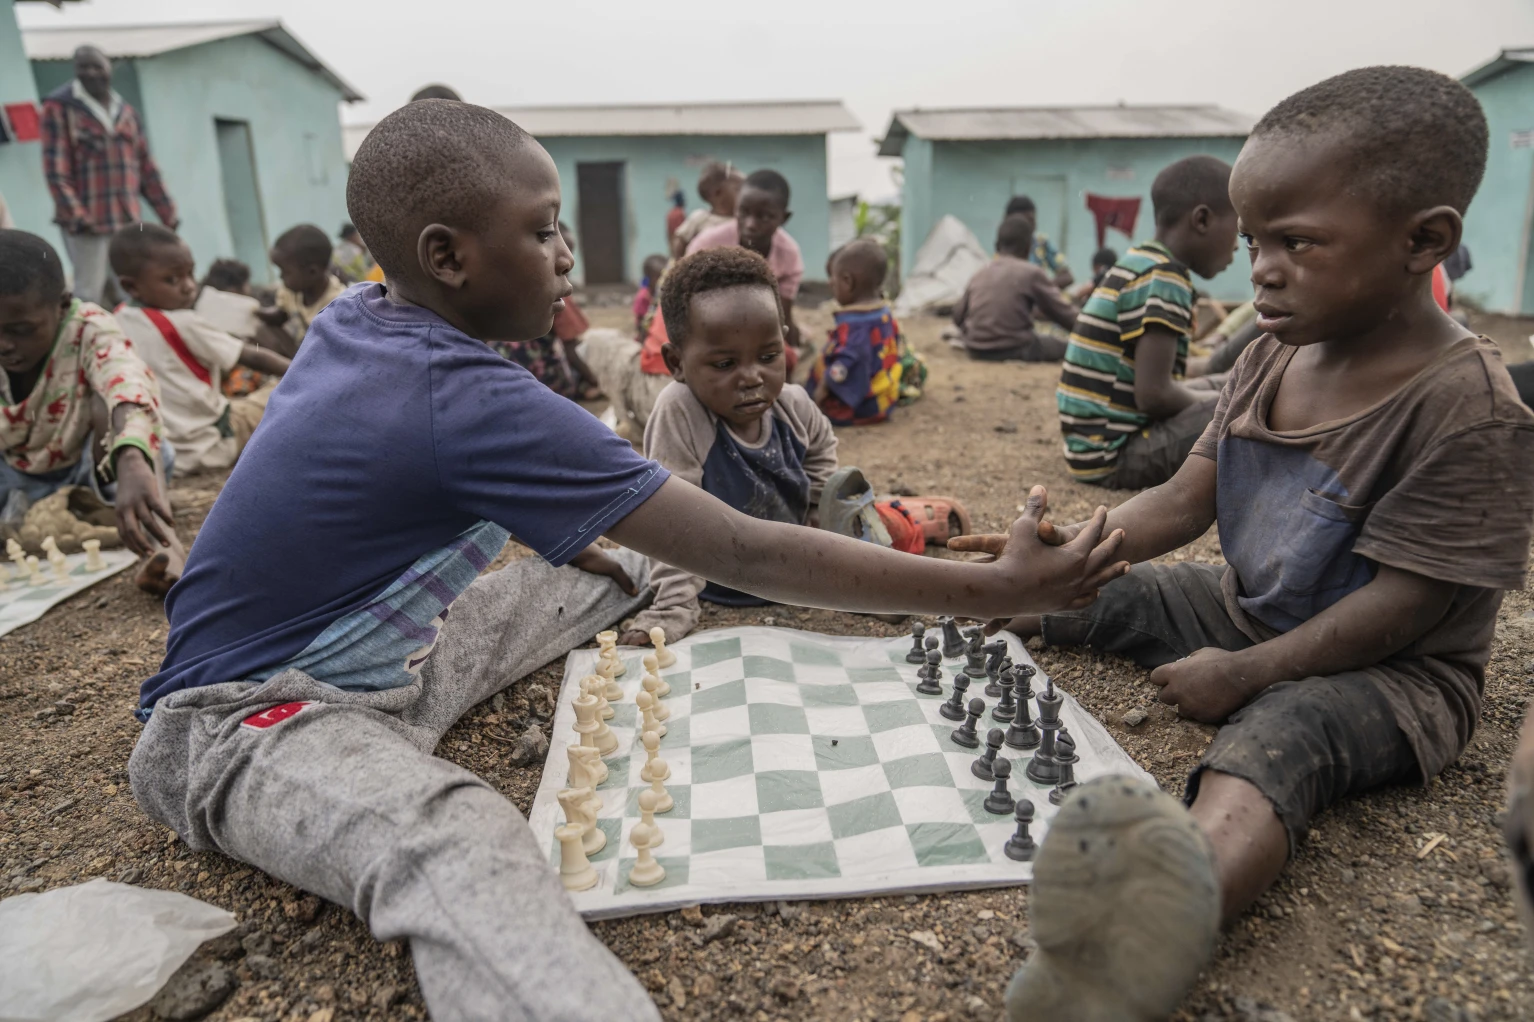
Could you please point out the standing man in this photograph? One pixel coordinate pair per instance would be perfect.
(97, 163)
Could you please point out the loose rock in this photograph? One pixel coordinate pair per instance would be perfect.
(1134, 718)
(193, 990)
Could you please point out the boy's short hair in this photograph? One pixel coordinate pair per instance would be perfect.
(1416, 138)
(1015, 235)
(347, 230)
(132, 246)
(715, 173)
(227, 275)
(1105, 257)
(435, 161)
(713, 269)
(306, 244)
(29, 266)
(435, 91)
(772, 182)
(1191, 182)
(865, 258)
(1019, 204)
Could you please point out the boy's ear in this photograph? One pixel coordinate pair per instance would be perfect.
(672, 356)
(437, 250)
(788, 215)
(128, 284)
(1200, 219)
(1435, 235)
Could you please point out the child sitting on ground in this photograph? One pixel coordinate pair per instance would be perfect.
(719, 186)
(312, 665)
(227, 302)
(1103, 260)
(644, 298)
(1345, 646)
(78, 406)
(187, 353)
(733, 426)
(996, 312)
(1042, 252)
(302, 257)
(857, 378)
(1128, 419)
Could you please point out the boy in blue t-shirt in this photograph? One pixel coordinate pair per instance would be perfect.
(333, 620)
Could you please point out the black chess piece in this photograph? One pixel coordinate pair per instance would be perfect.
(1065, 753)
(999, 801)
(1020, 846)
(953, 708)
(995, 653)
(1044, 768)
(931, 683)
(981, 767)
(953, 641)
(918, 654)
(1005, 710)
(1022, 734)
(974, 655)
(967, 734)
(1050, 702)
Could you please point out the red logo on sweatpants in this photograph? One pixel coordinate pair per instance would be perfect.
(274, 715)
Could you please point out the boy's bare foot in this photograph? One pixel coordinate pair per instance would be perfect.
(1519, 823)
(158, 572)
(1125, 907)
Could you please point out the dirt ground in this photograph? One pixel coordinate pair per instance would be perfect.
(1398, 907)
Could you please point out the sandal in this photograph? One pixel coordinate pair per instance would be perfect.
(941, 518)
(847, 508)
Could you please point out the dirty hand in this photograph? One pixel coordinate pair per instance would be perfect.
(594, 561)
(1067, 577)
(1207, 685)
(142, 512)
(634, 637)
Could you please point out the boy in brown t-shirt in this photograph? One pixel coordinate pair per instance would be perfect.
(1371, 471)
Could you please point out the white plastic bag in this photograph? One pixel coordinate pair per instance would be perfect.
(96, 950)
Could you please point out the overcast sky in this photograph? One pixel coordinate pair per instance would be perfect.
(877, 56)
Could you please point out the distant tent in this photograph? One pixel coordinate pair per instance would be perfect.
(944, 263)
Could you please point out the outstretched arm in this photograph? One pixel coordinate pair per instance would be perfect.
(682, 525)
(263, 361)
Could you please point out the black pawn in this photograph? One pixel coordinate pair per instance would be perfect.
(999, 801)
(981, 767)
(953, 708)
(967, 734)
(953, 642)
(931, 683)
(1022, 734)
(1005, 710)
(1065, 752)
(1020, 846)
(993, 665)
(918, 654)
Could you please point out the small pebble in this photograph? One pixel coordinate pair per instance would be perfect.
(1134, 718)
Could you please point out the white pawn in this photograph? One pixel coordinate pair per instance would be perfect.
(652, 668)
(645, 836)
(18, 557)
(575, 870)
(657, 771)
(646, 703)
(581, 806)
(34, 574)
(651, 684)
(597, 686)
(663, 656)
(93, 561)
(592, 771)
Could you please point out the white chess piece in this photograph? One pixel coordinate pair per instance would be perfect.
(93, 561)
(606, 666)
(594, 769)
(607, 640)
(18, 557)
(651, 684)
(575, 870)
(646, 703)
(581, 806)
(663, 656)
(597, 686)
(652, 667)
(34, 573)
(611, 656)
(604, 740)
(579, 776)
(587, 724)
(645, 836)
(657, 771)
(56, 559)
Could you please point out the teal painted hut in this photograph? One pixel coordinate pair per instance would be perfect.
(243, 119)
(968, 163)
(619, 166)
(1499, 221)
(21, 154)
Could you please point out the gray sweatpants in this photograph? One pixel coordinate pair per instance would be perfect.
(94, 280)
(344, 799)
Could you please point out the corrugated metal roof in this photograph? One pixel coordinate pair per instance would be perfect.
(1024, 122)
(791, 117)
(1503, 61)
(127, 41)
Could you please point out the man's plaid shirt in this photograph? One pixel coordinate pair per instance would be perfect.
(96, 177)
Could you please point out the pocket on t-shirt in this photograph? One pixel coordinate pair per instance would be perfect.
(1316, 553)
